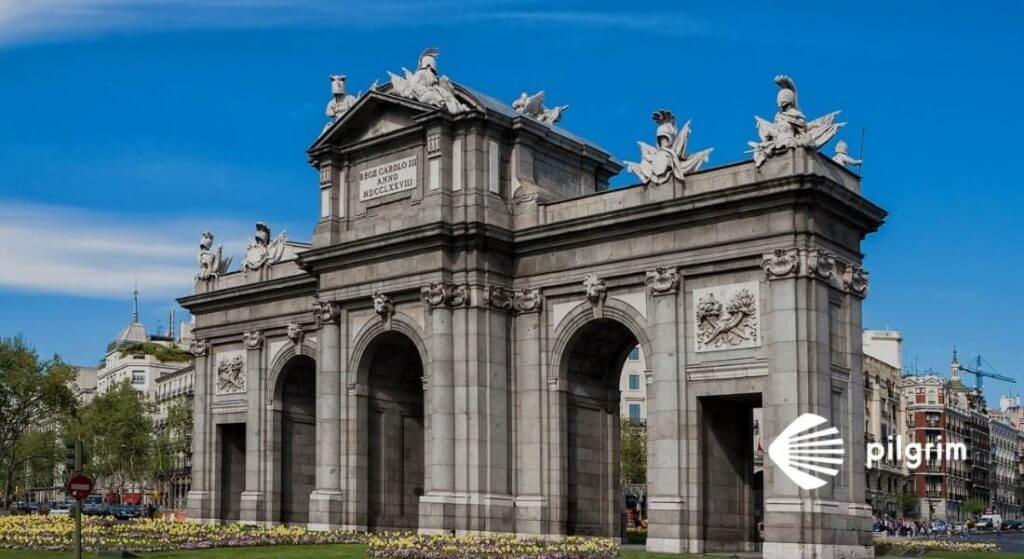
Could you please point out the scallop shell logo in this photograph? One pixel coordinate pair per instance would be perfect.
(806, 455)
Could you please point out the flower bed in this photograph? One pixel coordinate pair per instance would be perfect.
(411, 546)
(45, 533)
(904, 546)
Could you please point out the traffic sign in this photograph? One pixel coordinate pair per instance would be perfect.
(79, 486)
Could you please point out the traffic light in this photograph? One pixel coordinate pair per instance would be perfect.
(69, 456)
(74, 456)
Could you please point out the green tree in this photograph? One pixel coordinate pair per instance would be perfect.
(164, 353)
(117, 430)
(907, 503)
(975, 506)
(34, 396)
(172, 439)
(633, 449)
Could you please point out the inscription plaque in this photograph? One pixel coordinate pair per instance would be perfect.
(387, 178)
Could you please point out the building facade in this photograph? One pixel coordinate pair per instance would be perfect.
(933, 410)
(633, 388)
(1004, 463)
(884, 419)
(446, 354)
(175, 389)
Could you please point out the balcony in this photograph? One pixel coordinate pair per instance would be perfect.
(933, 494)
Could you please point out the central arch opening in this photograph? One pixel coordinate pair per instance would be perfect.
(593, 365)
(394, 372)
(297, 389)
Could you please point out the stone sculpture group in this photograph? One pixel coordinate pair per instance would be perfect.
(659, 164)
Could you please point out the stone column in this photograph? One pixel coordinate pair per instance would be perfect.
(437, 505)
(668, 431)
(198, 501)
(829, 521)
(326, 503)
(254, 497)
(480, 343)
(532, 507)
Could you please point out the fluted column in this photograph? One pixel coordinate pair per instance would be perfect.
(327, 500)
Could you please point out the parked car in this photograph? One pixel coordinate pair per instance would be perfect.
(125, 512)
(61, 509)
(939, 525)
(95, 506)
(1014, 524)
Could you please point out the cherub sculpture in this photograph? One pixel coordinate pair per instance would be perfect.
(425, 86)
(533, 107)
(211, 264)
(262, 251)
(790, 128)
(843, 158)
(668, 159)
(340, 102)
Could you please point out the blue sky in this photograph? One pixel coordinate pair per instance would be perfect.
(129, 126)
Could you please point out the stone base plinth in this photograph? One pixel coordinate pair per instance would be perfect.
(253, 508)
(466, 513)
(815, 528)
(326, 509)
(197, 506)
(666, 526)
(778, 550)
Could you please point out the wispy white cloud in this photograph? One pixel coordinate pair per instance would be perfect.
(48, 20)
(55, 249)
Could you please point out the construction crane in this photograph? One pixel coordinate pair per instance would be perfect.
(978, 372)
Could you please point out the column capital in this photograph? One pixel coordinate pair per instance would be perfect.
(326, 312)
(497, 297)
(663, 281)
(781, 263)
(855, 280)
(527, 301)
(443, 293)
(252, 338)
(198, 348)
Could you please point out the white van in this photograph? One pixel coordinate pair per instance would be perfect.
(990, 522)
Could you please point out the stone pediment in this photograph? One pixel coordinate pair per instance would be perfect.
(375, 114)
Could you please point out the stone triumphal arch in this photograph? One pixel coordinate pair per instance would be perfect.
(444, 355)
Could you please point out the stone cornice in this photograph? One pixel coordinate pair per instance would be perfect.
(708, 207)
(398, 243)
(245, 295)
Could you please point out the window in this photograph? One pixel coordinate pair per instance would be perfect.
(634, 382)
(634, 412)
(138, 377)
(635, 354)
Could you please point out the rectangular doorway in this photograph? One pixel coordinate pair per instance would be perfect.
(731, 472)
(231, 446)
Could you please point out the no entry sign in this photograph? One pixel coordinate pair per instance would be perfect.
(79, 486)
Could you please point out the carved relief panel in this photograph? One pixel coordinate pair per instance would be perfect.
(230, 370)
(727, 317)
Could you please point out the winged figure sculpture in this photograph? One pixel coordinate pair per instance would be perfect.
(533, 106)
